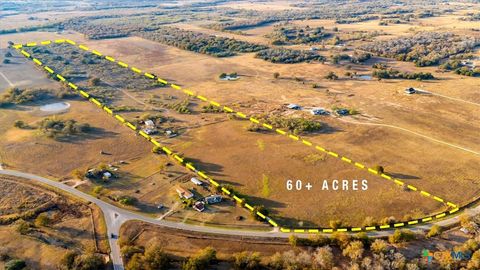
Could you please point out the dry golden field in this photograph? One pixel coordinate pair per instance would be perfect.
(429, 141)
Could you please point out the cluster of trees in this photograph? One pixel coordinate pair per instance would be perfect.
(199, 42)
(294, 125)
(75, 261)
(57, 128)
(424, 48)
(289, 56)
(151, 258)
(396, 74)
(357, 57)
(288, 34)
(459, 68)
(21, 96)
(471, 17)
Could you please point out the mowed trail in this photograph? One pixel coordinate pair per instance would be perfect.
(414, 133)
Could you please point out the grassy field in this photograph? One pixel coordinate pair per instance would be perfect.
(414, 137)
(43, 246)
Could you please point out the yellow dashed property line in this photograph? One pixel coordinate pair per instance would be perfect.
(190, 166)
(48, 69)
(60, 41)
(31, 44)
(333, 154)
(111, 59)
(134, 69)
(119, 118)
(398, 182)
(227, 109)
(241, 115)
(148, 75)
(60, 77)
(293, 137)
(84, 94)
(188, 92)
(85, 48)
(174, 86)
(97, 53)
(307, 143)
(36, 61)
(122, 64)
(424, 193)
(254, 120)
(46, 42)
(25, 53)
(70, 41)
(202, 98)
(162, 81)
(73, 86)
(412, 187)
(131, 126)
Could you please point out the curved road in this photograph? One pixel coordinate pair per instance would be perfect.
(115, 217)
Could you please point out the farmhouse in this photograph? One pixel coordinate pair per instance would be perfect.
(184, 193)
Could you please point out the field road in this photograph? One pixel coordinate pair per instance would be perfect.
(115, 217)
(421, 91)
(6, 79)
(412, 132)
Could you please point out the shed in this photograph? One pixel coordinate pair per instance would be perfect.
(196, 181)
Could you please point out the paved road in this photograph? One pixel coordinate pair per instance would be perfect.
(115, 217)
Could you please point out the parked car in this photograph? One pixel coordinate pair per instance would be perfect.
(319, 111)
(410, 90)
(342, 112)
(294, 107)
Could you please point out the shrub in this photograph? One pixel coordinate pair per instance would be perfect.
(15, 264)
(68, 259)
(434, 231)
(276, 75)
(292, 240)
(127, 200)
(400, 236)
(156, 259)
(323, 258)
(246, 260)
(42, 220)
(354, 250)
(379, 246)
(23, 227)
(6, 61)
(202, 260)
(20, 124)
(331, 76)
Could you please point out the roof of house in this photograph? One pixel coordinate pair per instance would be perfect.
(196, 181)
(184, 193)
(149, 123)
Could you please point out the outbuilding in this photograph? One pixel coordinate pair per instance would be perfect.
(196, 181)
(212, 199)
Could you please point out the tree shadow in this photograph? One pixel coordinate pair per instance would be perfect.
(212, 168)
(93, 134)
(403, 176)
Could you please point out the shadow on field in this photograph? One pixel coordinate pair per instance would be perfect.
(404, 176)
(94, 134)
(211, 168)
